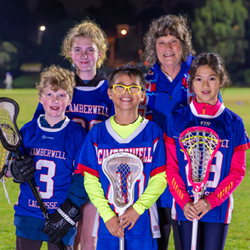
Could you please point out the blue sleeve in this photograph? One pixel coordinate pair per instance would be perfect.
(77, 193)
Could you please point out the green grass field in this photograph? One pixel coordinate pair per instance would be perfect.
(238, 100)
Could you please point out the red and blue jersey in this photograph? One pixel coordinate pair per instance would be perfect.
(163, 97)
(147, 143)
(90, 104)
(225, 173)
(55, 152)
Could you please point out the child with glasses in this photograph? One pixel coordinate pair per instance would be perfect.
(126, 131)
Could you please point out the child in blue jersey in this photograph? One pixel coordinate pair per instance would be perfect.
(85, 46)
(54, 143)
(126, 131)
(214, 210)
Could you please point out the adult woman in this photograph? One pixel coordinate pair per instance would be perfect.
(169, 53)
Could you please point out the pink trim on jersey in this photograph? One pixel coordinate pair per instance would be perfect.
(82, 168)
(169, 139)
(158, 170)
(243, 147)
(205, 108)
(231, 182)
(176, 185)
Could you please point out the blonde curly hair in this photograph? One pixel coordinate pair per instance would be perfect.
(178, 26)
(87, 28)
(58, 78)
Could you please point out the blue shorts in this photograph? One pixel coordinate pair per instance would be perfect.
(32, 228)
(210, 235)
(131, 244)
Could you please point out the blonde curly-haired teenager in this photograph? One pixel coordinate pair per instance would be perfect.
(85, 46)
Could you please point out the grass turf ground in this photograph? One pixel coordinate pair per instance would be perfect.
(238, 100)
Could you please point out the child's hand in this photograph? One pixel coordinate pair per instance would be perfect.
(190, 212)
(129, 217)
(114, 227)
(202, 207)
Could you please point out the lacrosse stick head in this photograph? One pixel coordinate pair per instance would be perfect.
(199, 144)
(122, 170)
(9, 133)
(4, 160)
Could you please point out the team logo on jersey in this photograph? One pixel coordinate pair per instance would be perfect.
(205, 124)
(47, 137)
(48, 153)
(88, 109)
(144, 153)
(49, 205)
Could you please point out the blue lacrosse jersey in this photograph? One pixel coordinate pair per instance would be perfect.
(146, 142)
(55, 152)
(162, 98)
(89, 106)
(233, 137)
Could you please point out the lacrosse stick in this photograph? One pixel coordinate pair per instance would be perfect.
(4, 165)
(122, 170)
(11, 140)
(199, 144)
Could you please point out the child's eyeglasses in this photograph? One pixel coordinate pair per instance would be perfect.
(120, 89)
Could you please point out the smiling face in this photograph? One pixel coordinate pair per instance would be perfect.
(54, 104)
(84, 54)
(206, 85)
(126, 101)
(169, 51)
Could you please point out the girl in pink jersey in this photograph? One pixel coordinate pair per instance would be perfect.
(214, 209)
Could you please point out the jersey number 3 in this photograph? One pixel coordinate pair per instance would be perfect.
(47, 178)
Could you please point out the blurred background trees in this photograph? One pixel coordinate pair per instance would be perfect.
(222, 26)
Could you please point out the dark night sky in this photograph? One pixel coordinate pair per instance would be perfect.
(22, 18)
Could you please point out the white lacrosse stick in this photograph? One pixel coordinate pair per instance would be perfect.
(122, 170)
(199, 144)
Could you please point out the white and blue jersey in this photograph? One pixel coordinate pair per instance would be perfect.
(55, 152)
(162, 98)
(90, 104)
(146, 142)
(233, 138)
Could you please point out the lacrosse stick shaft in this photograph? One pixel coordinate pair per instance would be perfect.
(38, 199)
(121, 243)
(194, 227)
(43, 208)
(121, 240)
(194, 235)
